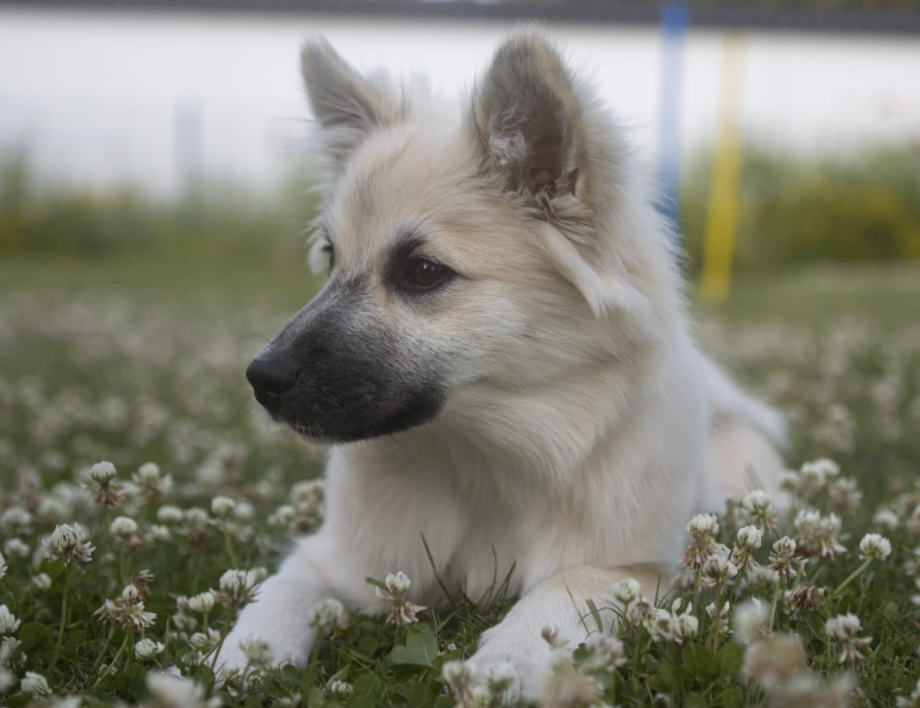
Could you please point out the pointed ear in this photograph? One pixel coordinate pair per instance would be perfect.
(528, 116)
(347, 105)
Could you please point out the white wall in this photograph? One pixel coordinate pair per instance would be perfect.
(98, 97)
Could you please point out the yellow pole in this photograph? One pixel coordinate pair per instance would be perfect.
(723, 187)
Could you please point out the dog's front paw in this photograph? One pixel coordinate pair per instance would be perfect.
(244, 651)
(514, 662)
(232, 659)
(509, 679)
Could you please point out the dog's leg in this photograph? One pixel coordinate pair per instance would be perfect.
(280, 614)
(560, 602)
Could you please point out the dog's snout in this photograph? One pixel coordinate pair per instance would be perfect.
(271, 375)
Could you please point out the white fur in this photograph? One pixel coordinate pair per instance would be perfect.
(583, 426)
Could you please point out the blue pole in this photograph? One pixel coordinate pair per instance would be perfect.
(675, 15)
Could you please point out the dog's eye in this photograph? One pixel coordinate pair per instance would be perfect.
(423, 274)
(330, 253)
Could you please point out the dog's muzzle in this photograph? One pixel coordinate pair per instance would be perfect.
(337, 395)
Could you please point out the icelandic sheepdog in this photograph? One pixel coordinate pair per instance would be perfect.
(501, 358)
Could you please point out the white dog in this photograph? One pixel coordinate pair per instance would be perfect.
(501, 357)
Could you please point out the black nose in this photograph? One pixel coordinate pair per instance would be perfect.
(271, 375)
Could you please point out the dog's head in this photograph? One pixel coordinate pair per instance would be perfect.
(467, 253)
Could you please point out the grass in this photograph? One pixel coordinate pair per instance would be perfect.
(129, 358)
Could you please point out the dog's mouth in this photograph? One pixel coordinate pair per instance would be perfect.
(341, 427)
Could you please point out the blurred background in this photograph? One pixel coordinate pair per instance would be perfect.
(780, 134)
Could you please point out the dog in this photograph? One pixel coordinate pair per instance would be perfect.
(501, 358)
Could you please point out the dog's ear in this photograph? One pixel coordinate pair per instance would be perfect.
(347, 105)
(527, 116)
(540, 132)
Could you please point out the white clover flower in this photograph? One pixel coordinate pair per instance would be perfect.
(183, 622)
(204, 640)
(257, 652)
(68, 543)
(222, 506)
(158, 533)
(844, 630)
(340, 690)
(886, 520)
(844, 495)
(500, 677)
(458, 675)
(789, 481)
(169, 514)
(147, 649)
(758, 506)
(687, 626)
(398, 583)
(123, 527)
(36, 684)
(605, 654)
(762, 580)
(717, 571)
(202, 602)
(195, 516)
(8, 621)
(875, 546)
(816, 472)
(819, 536)
(773, 661)
(9, 648)
(41, 582)
(627, 591)
(16, 548)
(403, 612)
(244, 511)
(751, 621)
(661, 625)
(282, 517)
(783, 559)
(52, 510)
(151, 482)
(2, 566)
(328, 616)
(749, 538)
(703, 525)
(641, 611)
(237, 586)
(126, 610)
(259, 574)
(15, 520)
(756, 502)
(102, 472)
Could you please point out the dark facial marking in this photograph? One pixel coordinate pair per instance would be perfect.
(335, 373)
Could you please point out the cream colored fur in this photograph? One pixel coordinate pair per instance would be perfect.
(582, 425)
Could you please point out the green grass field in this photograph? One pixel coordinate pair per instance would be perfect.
(133, 358)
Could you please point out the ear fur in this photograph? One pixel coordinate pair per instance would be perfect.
(347, 106)
(528, 117)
